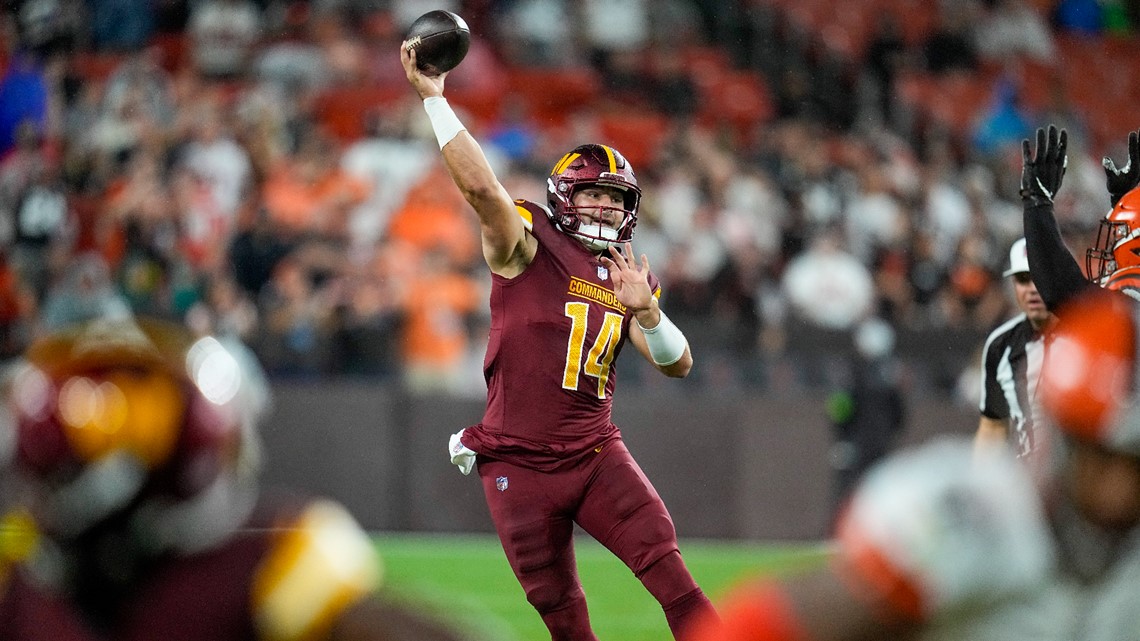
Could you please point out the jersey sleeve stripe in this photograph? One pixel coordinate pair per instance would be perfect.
(528, 219)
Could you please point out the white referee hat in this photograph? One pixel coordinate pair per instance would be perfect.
(1018, 259)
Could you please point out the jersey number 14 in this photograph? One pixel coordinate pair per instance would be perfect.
(601, 355)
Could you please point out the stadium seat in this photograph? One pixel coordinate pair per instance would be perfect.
(637, 135)
(97, 65)
(551, 93)
(739, 99)
(343, 109)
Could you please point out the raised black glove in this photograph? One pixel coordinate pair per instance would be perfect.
(1123, 180)
(1042, 172)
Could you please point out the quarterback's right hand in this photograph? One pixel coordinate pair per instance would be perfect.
(1123, 180)
(1042, 171)
(460, 455)
(426, 86)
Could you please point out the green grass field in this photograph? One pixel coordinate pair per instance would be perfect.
(467, 577)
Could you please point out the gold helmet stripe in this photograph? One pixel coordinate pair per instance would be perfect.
(564, 163)
(610, 156)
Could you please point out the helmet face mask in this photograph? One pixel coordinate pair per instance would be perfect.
(1114, 261)
(593, 166)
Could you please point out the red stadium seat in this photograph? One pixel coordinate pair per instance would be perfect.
(551, 94)
(739, 99)
(637, 135)
(94, 66)
(343, 109)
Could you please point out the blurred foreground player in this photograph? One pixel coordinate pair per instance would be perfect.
(134, 459)
(938, 544)
(566, 295)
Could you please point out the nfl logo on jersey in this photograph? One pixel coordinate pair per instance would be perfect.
(603, 273)
(501, 483)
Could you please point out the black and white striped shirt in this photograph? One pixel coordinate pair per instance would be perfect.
(1011, 367)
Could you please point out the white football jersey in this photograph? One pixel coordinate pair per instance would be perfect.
(967, 537)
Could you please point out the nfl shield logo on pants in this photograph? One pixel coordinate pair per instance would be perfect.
(501, 483)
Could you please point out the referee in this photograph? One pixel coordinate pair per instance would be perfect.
(1011, 364)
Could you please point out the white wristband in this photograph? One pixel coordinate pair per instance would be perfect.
(443, 120)
(666, 342)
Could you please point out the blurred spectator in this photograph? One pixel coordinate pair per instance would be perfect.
(290, 58)
(223, 34)
(51, 27)
(539, 33)
(1121, 17)
(42, 219)
(255, 251)
(612, 28)
(309, 193)
(297, 314)
(224, 310)
(389, 159)
(1005, 122)
(137, 109)
(950, 46)
(1083, 17)
(18, 310)
(439, 305)
(405, 12)
(23, 99)
(121, 25)
(874, 218)
(1012, 28)
(213, 156)
(673, 91)
(83, 292)
(371, 315)
(828, 286)
(886, 57)
(515, 133)
(868, 415)
(435, 216)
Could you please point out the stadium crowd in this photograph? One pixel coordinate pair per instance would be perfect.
(257, 169)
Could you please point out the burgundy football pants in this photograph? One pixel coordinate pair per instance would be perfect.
(607, 494)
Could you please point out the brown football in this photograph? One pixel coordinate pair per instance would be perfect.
(440, 39)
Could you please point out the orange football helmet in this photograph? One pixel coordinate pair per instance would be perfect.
(1088, 380)
(1114, 262)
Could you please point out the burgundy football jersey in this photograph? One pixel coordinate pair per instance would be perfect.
(556, 332)
(245, 589)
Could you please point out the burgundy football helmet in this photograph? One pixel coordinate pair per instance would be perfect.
(138, 423)
(589, 165)
(1114, 262)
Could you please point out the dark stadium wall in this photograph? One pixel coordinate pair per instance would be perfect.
(732, 466)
